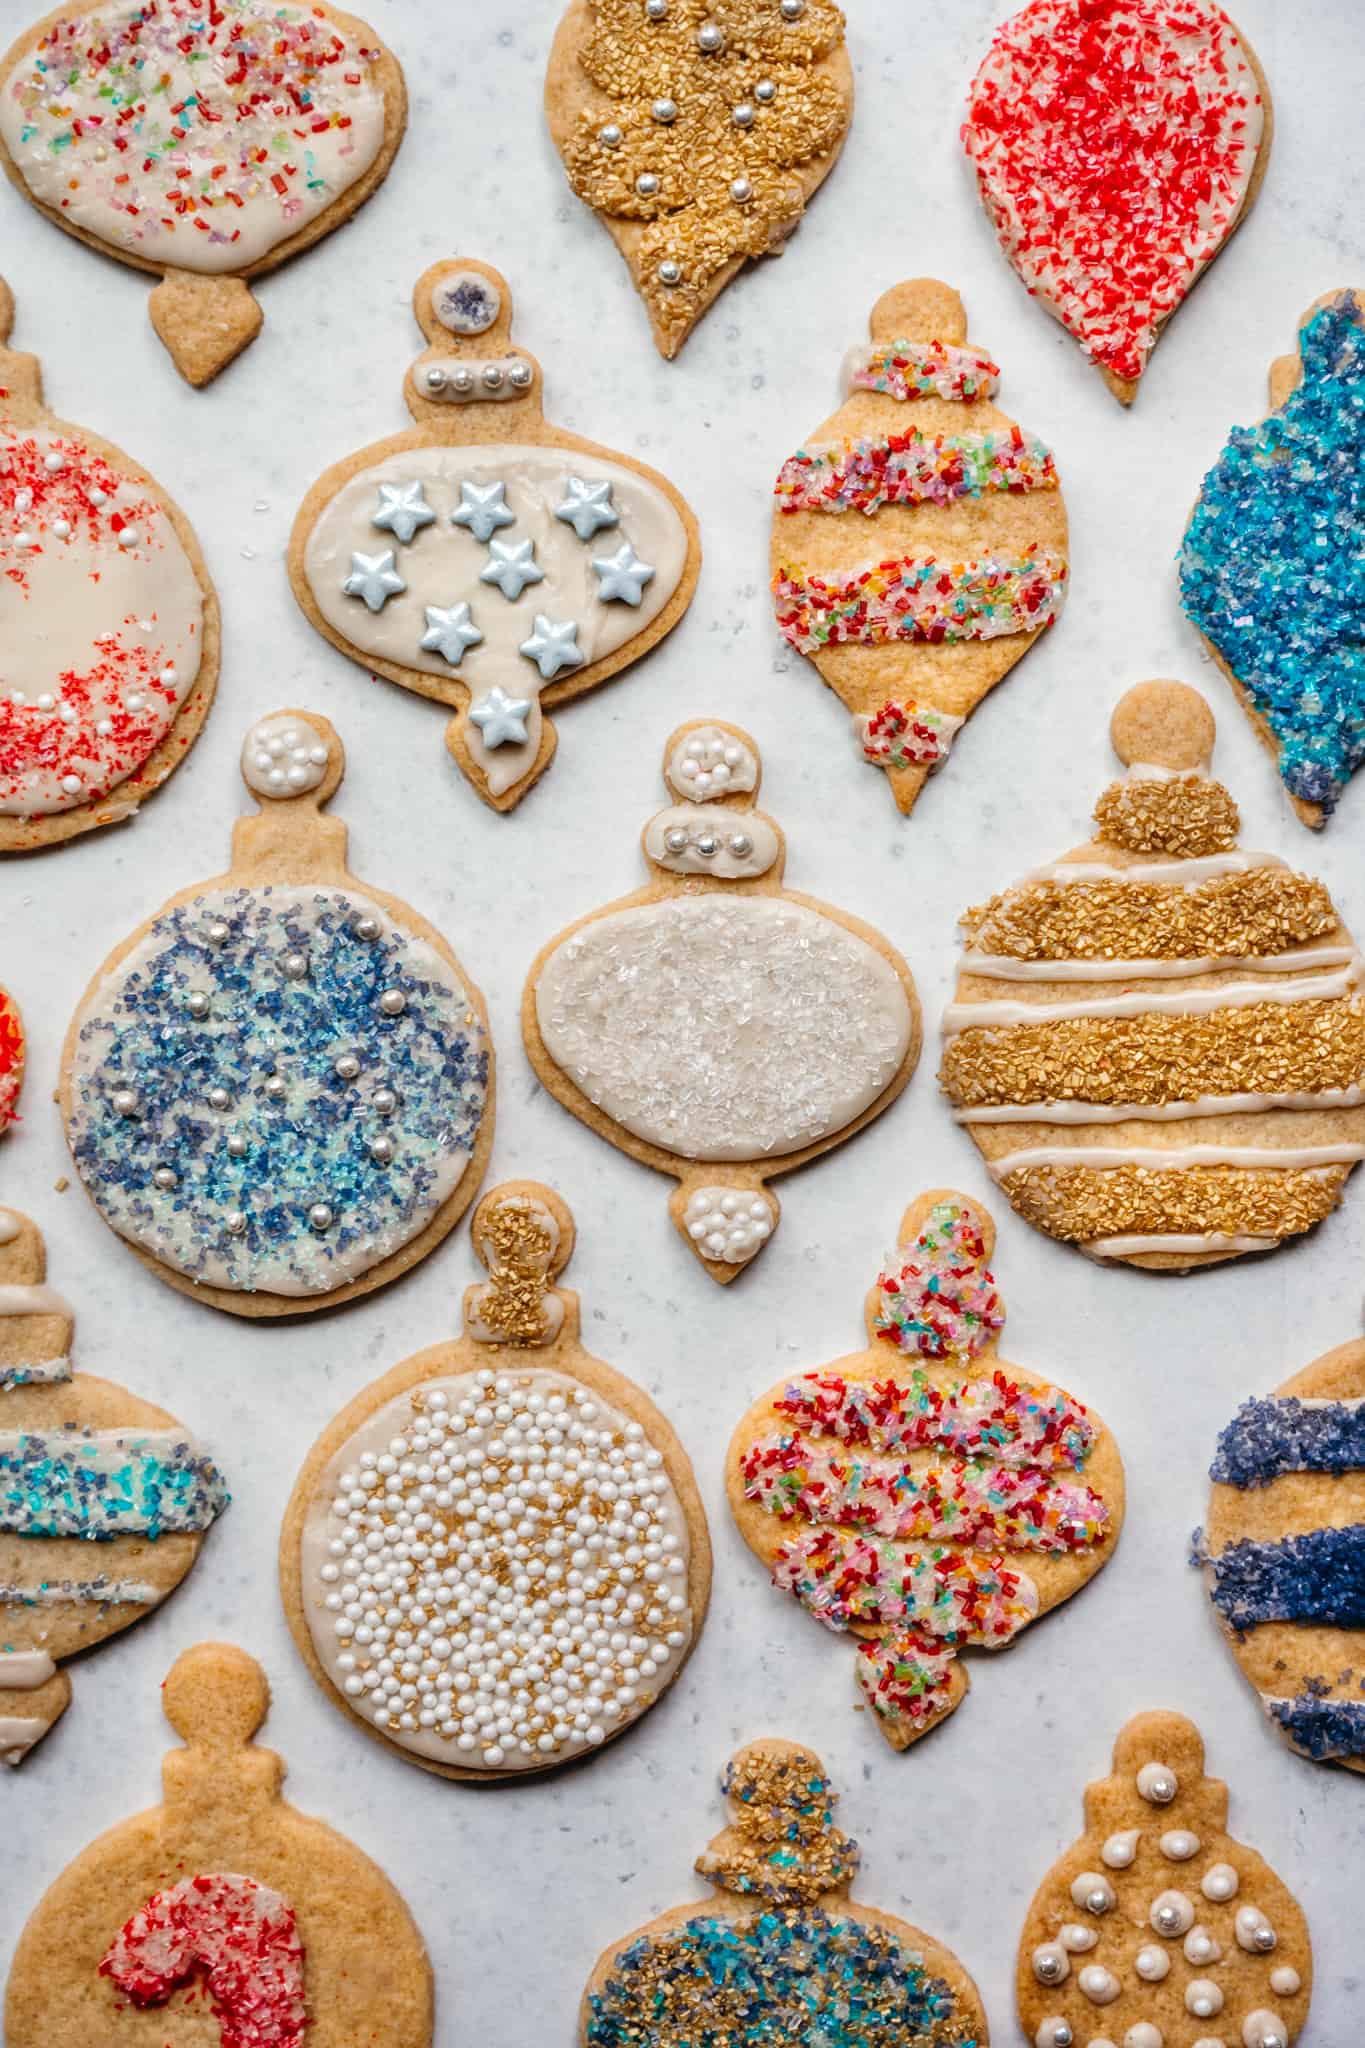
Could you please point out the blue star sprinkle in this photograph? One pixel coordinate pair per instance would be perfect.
(512, 565)
(375, 578)
(450, 632)
(501, 718)
(403, 511)
(553, 646)
(621, 578)
(483, 509)
(588, 507)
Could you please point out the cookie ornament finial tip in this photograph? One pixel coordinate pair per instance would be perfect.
(1163, 724)
(215, 1696)
(290, 754)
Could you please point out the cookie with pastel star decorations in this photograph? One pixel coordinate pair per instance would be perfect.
(108, 620)
(919, 537)
(1156, 1929)
(487, 558)
(104, 1500)
(923, 1496)
(223, 1915)
(203, 144)
(279, 1090)
(716, 1025)
(779, 1953)
(697, 130)
(1158, 1041)
(533, 1634)
(13, 1048)
(1272, 571)
(1117, 145)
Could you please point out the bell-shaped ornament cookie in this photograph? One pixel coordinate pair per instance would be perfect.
(1156, 1929)
(780, 1953)
(279, 1090)
(104, 1500)
(13, 1048)
(919, 537)
(1158, 1041)
(223, 1897)
(487, 558)
(716, 1025)
(206, 144)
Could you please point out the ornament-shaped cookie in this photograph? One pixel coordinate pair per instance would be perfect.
(104, 1499)
(1117, 144)
(1284, 1553)
(279, 1090)
(205, 144)
(1158, 1042)
(12, 1055)
(486, 557)
(1272, 571)
(926, 1507)
(919, 537)
(477, 1420)
(780, 1952)
(108, 620)
(1156, 1929)
(223, 1897)
(716, 1025)
(697, 130)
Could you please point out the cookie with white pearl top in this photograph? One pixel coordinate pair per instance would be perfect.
(496, 1559)
(1222, 1953)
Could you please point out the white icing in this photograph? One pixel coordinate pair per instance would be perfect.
(10, 1226)
(465, 301)
(1261, 2026)
(1157, 1783)
(1097, 1984)
(719, 826)
(1177, 1903)
(1285, 1981)
(1106, 1156)
(99, 1591)
(1199, 1002)
(1201, 1948)
(25, 1670)
(1178, 1845)
(1176, 1241)
(33, 1372)
(1203, 1998)
(730, 1224)
(1119, 1851)
(708, 763)
(467, 381)
(1250, 1923)
(1092, 1885)
(1051, 1963)
(503, 767)
(1077, 1939)
(1159, 1112)
(1202, 867)
(1146, 2034)
(1002, 967)
(18, 1735)
(1053, 2033)
(1220, 1882)
(19, 1300)
(1153, 1965)
(283, 757)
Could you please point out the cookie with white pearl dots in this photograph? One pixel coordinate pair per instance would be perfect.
(1156, 1929)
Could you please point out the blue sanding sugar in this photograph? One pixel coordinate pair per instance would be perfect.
(1268, 1437)
(1321, 1728)
(61, 1483)
(1319, 1577)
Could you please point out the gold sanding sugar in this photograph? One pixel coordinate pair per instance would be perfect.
(1189, 816)
(783, 1844)
(1265, 911)
(1079, 1203)
(1262, 1048)
(512, 1307)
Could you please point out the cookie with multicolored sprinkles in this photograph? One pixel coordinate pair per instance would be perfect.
(279, 1090)
(924, 1497)
(780, 1954)
(1158, 1041)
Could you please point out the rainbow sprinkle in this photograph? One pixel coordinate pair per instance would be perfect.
(925, 369)
(913, 469)
(920, 598)
(906, 735)
(939, 1298)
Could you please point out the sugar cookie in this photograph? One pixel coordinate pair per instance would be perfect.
(12, 1055)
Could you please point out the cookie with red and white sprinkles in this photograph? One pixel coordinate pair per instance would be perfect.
(12, 1045)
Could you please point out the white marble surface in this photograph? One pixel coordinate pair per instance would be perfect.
(517, 1888)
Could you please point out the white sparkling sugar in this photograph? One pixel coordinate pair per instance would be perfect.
(495, 1570)
(729, 1224)
(724, 1027)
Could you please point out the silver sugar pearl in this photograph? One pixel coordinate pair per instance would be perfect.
(219, 1098)
(1263, 1940)
(276, 1087)
(743, 115)
(435, 379)
(166, 1178)
(347, 1067)
(492, 376)
(234, 1223)
(675, 839)
(197, 1003)
(646, 184)
(462, 380)
(393, 1002)
(218, 933)
(385, 1101)
(764, 91)
(1049, 1969)
(656, 10)
(1062, 2036)
(792, 10)
(740, 190)
(665, 110)
(126, 1101)
(520, 375)
(236, 1146)
(670, 271)
(320, 1216)
(741, 845)
(1161, 1789)
(610, 136)
(708, 846)
(366, 928)
(1097, 1901)
(1167, 1919)
(294, 966)
(381, 1151)
(710, 38)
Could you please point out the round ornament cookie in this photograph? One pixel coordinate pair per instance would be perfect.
(1272, 570)
(1156, 1929)
(279, 1090)
(108, 620)
(487, 558)
(919, 537)
(715, 1025)
(780, 1953)
(528, 1510)
(1284, 1553)
(104, 1500)
(927, 1507)
(13, 1047)
(222, 1901)
(205, 144)
(1158, 1041)
(1117, 145)
(696, 130)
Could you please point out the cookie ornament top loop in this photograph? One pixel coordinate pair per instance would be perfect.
(486, 1673)
(108, 619)
(716, 1025)
(1174, 1070)
(780, 1941)
(919, 537)
(297, 1936)
(923, 1496)
(204, 144)
(486, 558)
(279, 1090)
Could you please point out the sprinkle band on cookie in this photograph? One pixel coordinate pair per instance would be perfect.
(920, 598)
(1324, 1729)
(105, 1483)
(912, 469)
(1083, 1204)
(923, 369)
(846, 1580)
(1267, 1438)
(243, 1937)
(905, 735)
(1317, 1577)
(1241, 914)
(1188, 815)
(995, 1417)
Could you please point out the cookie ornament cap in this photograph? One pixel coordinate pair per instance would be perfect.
(223, 1897)
(108, 620)
(104, 1500)
(490, 1414)
(1270, 571)
(697, 130)
(715, 1025)
(923, 1496)
(1156, 1929)
(919, 537)
(1117, 145)
(1158, 1041)
(487, 558)
(203, 144)
(279, 1090)
(780, 1953)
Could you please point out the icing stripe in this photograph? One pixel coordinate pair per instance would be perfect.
(912, 469)
(844, 1579)
(1203, 867)
(1268, 1437)
(1320, 1728)
(1008, 967)
(16, 1300)
(19, 1733)
(42, 1372)
(1159, 1112)
(920, 597)
(921, 369)
(992, 1417)
(1319, 1577)
(25, 1670)
(100, 1591)
(1176, 1241)
(1104, 1157)
(105, 1483)
(1197, 1002)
